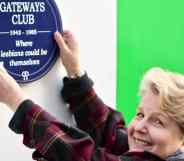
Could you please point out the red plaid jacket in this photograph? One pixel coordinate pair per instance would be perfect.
(100, 134)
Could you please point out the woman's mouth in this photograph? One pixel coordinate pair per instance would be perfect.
(141, 142)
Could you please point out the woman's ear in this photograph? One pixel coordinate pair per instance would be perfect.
(182, 146)
(182, 142)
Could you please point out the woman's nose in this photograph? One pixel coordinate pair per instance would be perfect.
(141, 126)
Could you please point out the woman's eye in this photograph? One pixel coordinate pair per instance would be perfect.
(157, 122)
(140, 115)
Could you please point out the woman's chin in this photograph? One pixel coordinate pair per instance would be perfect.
(141, 148)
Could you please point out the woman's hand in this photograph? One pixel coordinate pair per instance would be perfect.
(69, 52)
(10, 92)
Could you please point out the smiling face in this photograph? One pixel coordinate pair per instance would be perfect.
(153, 130)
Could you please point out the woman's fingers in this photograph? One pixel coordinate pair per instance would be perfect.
(60, 41)
(66, 41)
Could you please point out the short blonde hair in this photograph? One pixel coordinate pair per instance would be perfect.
(170, 88)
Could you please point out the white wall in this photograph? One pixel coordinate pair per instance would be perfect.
(94, 24)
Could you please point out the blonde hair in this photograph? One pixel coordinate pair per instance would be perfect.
(170, 88)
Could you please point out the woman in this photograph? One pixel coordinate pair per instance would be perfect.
(155, 134)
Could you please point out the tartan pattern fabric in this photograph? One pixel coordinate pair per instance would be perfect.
(100, 134)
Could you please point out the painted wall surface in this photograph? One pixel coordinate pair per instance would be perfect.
(94, 24)
(150, 33)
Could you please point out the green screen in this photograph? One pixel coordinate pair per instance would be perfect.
(150, 34)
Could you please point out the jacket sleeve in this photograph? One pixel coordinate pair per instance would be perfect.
(51, 139)
(105, 125)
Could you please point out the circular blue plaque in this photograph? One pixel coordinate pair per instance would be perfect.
(27, 48)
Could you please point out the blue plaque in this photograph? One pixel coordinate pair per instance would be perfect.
(27, 48)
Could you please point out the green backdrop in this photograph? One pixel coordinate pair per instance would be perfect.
(150, 33)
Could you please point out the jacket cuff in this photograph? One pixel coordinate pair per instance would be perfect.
(15, 123)
(75, 87)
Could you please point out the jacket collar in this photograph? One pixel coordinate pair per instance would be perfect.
(177, 156)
